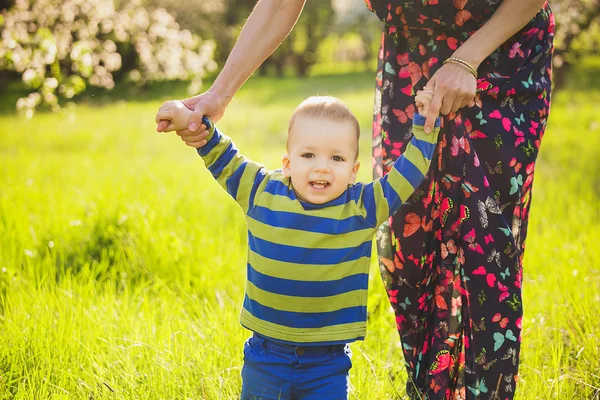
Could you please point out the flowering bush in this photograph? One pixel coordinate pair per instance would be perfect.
(61, 46)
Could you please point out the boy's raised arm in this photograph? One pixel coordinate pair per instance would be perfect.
(384, 196)
(240, 177)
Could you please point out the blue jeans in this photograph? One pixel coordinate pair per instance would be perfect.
(276, 371)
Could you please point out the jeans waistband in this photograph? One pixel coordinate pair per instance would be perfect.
(286, 348)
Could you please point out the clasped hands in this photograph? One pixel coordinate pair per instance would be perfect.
(449, 89)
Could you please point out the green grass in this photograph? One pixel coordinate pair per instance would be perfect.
(122, 263)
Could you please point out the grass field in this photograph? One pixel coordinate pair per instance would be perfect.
(122, 263)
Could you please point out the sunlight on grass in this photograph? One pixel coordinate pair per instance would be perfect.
(122, 261)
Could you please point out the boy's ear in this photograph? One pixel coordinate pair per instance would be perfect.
(354, 172)
(285, 165)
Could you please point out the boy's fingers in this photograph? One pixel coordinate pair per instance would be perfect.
(433, 111)
(164, 113)
(162, 126)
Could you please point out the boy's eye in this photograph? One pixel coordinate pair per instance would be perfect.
(307, 155)
(337, 158)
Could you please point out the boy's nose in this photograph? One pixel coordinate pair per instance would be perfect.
(322, 167)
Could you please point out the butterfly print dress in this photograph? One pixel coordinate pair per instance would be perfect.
(451, 259)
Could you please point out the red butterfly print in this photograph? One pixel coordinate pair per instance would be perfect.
(520, 139)
(443, 360)
(470, 238)
(473, 134)
(498, 318)
(516, 49)
(476, 101)
(462, 16)
(464, 214)
(460, 4)
(452, 42)
(503, 292)
(413, 223)
(491, 280)
(448, 248)
(460, 256)
(495, 114)
(389, 264)
(462, 143)
(439, 299)
(517, 166)
(433, 385)
(404, 116)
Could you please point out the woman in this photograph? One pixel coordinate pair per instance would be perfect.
(451, 260)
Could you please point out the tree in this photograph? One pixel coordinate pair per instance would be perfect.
(299, 50)
(577, 34)
(59, 47)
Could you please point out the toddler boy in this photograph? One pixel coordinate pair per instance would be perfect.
(310, 231)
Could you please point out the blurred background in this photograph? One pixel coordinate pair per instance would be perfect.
(122, 261)
(58, 49)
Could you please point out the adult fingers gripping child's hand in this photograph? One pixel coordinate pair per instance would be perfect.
(211, 104)
(174, 115)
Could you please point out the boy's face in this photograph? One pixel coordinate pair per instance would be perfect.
(321, 159)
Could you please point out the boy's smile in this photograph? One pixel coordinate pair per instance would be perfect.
(321, 160)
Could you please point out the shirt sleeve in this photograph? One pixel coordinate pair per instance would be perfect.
(241, 178)
(384, 196)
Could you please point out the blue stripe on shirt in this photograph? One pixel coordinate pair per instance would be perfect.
(410, 172)
(368, 198)
(311, 256)
(304, 320)
(260, 176)
(233, 182)
(426, 148)
(309, 223)
(217, 167)
(210, 145)
(290, 287)
(394, 201)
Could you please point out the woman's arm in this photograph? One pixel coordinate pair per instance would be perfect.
(268, 25)
(454, 87)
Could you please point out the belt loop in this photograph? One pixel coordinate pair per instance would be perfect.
(262, 344)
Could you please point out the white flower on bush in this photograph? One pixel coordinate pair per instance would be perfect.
(61, 46)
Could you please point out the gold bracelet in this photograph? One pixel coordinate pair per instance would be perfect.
(463, 63)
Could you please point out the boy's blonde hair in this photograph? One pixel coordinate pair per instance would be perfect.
(325, 107)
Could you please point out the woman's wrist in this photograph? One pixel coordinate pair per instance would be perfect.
(222, 94)
(474, 59)
(225, 91)
(463, 64)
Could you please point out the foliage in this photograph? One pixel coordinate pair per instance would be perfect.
(59, 47)
(224, 19)
(218, 20)
(577, 34)
(299, 50)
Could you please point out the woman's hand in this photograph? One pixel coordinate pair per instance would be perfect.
(453, 88)
(209, 103)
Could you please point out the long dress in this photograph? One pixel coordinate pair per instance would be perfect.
(451, 259)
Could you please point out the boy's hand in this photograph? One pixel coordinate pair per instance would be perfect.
(176, 113)
(423, 99)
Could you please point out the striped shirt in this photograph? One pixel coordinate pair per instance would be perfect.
(308, 264)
